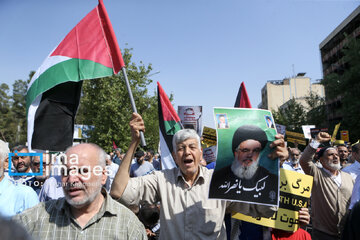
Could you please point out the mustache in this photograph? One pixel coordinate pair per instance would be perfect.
(70, 186)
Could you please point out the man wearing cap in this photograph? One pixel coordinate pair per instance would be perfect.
(140, 167)
(331, 190)
(254, 182)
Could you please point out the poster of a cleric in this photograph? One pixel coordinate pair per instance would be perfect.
(243, 170)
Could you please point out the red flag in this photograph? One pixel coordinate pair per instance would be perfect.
(169, 124)
(90, 50)
(242, 99)
(114, 146)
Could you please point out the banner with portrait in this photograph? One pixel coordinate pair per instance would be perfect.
(244, 172)
(295, 191)
(191, 117)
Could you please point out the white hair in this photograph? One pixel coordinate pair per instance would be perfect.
(185, 134)
(4, 150)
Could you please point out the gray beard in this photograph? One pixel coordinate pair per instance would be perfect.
(87, 199)
(244, 172)
(294, 162)
(333, 166)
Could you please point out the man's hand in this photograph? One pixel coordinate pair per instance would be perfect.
(280, 151)
(323, 137)
(136, 125)
(304, 217)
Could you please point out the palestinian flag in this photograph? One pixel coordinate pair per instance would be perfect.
(89, 51)
(169, 124)
(242, 99)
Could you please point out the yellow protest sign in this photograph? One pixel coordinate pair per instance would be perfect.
(295, 190)
(209, 137)
(336, 129)
(295, 137)
(344, 135)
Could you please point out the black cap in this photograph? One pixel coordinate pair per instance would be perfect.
(247, 132)
(323, 150)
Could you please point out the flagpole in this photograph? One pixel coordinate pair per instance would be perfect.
(142, 138)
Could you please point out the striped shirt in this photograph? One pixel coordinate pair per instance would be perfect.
(53, 220)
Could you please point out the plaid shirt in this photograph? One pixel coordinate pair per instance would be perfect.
(54, 220)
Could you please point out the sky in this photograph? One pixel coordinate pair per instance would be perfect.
(200, 50)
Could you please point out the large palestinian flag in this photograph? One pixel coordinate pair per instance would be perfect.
(89, 51)
(242, 99)
(169, 124)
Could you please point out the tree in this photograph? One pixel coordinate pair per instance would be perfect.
(316, 115)
(105, 104)
(293, 116)
(346, 86)
(5, 111)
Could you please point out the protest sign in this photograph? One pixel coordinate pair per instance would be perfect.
(306, 130)
(209, 137)
(243, 170)
(281, 129)
(315, 131)
(209, 154)
(344, 135)
(295, 190)
(295, 137)
(336, 129)
(191, 117)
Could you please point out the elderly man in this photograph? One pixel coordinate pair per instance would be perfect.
(245, 172)
(186, 212)
(13, 198)
(331, 191)
(294, 158)
(87, 211)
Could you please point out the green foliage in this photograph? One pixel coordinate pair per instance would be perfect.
(105, 104)
(13, 112)
(293, 116)
(346, 86)
(316, 115)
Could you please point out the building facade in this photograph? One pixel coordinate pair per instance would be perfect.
(332, 58)
(277, 93)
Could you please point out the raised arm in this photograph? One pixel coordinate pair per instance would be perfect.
(309, 152)
(122, 176)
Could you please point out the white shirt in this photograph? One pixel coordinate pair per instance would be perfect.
(336, 179)
(289, 166)
(353, 169)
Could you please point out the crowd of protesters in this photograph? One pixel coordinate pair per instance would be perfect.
(126, 195)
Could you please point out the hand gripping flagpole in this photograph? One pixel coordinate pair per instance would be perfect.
(142, 138)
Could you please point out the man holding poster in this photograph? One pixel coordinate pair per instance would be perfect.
(245, 176)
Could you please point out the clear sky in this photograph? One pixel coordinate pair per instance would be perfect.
(202, 49)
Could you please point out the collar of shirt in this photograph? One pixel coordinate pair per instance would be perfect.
(336, 179)
(179, 175)
(106, 208)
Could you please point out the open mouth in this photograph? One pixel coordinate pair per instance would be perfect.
(74, 191)
(188, 162)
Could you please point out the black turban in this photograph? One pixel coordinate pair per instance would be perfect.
(247, 132)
